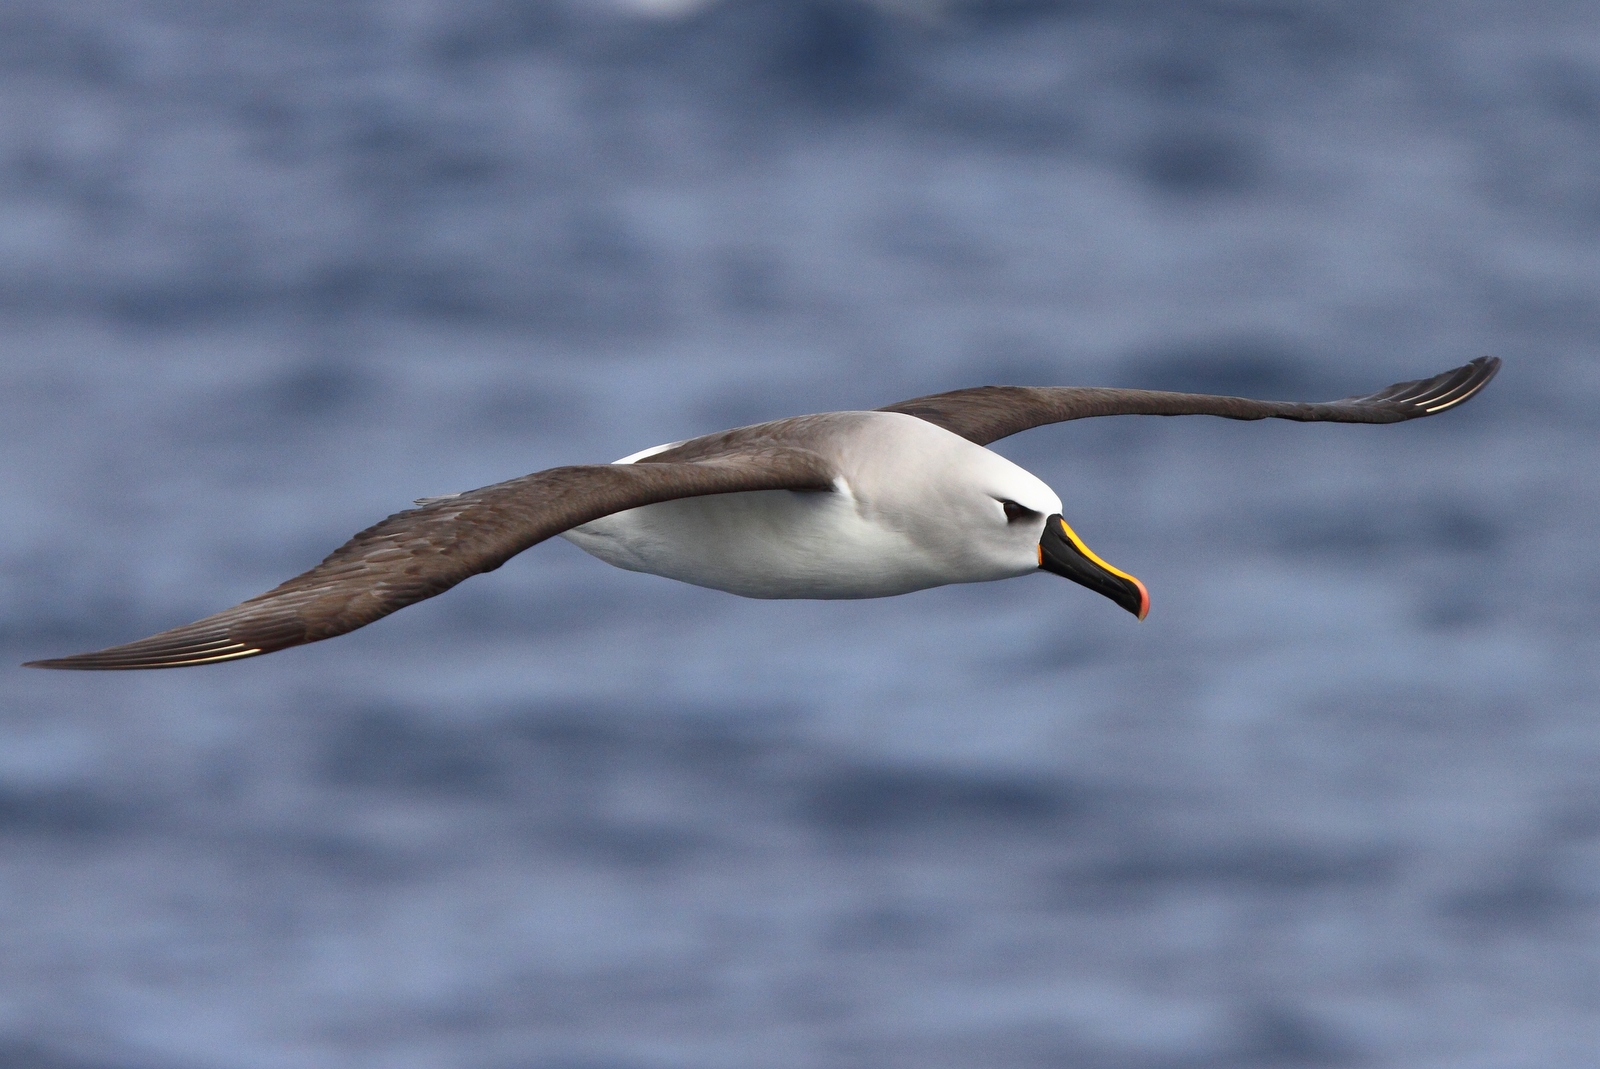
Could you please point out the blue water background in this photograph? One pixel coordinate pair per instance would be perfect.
(270, 270)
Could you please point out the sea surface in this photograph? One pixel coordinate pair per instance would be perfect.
(270, 270)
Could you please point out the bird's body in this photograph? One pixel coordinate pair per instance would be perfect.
(833, 505)
(912, 506)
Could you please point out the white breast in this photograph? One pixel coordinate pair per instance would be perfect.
(913, 508)
(768, 544)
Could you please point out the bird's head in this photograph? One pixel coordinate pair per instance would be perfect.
(977, 514)
(1018, 519)
(1034, 528)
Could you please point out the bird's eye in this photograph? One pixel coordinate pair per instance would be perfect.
(1015, 512)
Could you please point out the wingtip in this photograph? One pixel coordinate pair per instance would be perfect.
(58, 662)
(1429, 396)
(179, 648)
(1479, 372)
(1483, 368)
(114, 660)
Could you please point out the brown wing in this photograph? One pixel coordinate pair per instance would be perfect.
(425, 551)
(989, 413)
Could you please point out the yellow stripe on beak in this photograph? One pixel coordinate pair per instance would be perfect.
(1078, 544)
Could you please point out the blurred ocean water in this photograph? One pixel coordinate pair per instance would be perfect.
(269, 271)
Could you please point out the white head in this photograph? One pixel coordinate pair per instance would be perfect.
(973, 510)
(977, 514)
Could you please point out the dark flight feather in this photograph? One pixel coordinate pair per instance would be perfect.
(986, 414)
(425, 551)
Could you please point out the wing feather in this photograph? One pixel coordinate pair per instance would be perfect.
(988, 413)
(425, 551)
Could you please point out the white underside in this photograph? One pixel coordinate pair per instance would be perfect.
(914, 507)
(766, 544)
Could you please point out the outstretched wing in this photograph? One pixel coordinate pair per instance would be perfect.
(988, 413)
(425, 551)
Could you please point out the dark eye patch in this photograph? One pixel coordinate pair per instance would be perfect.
(1015, 512)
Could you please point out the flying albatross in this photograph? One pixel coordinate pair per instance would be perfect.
(834, 505)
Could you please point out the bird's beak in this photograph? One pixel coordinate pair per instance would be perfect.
(1061, 551)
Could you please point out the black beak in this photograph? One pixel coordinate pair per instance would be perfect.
(1061, 551)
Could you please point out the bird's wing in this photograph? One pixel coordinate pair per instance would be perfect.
(988, 413)
(425, 551)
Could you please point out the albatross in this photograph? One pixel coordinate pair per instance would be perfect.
(832, 505)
